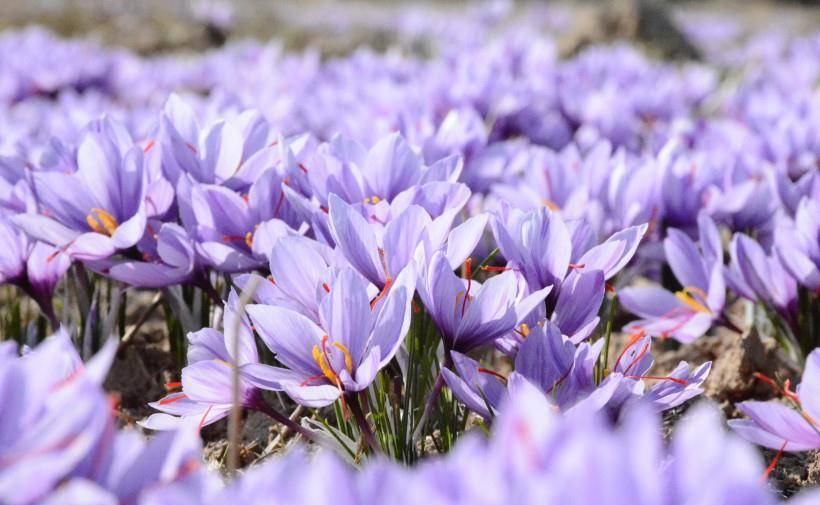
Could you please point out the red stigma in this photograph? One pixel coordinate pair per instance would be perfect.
(658, 378)
(495, 374)
(494, 269)
(172, 385)
(768, 380)
(383, 292)
(577, 266)
(272, 280)
(416, 308)
(468, 273)
(279, 204)
(204, 417)
(190, 147)
(773, 464)
(633, 339)
(53, 255)
(149, 146)
(173, 399)
(303, 168)
(326, 287)
(272, 144)
(637, 358)
(609, 288)
(311, 379)
(788, 393)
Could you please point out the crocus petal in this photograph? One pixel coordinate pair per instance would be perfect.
(809, 388)
(290, 335)
(613, 255)
(355, 239)
(311, 396)
(783, 422)
(578, 302)
(464, 238)
(684, 260)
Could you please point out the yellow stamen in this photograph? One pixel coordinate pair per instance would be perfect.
(550, 205)
(457, 305)
(320, 358)
(685, 296)
(524, 330)
(348, 357)
(102, 221)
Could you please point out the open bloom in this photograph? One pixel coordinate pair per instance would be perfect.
(168, 254)
(690, 312)
(206, 394)
(34, 267)
(231, 152)
(54, 415)
(470, 314)
(96, 211)
(757, 276)
(344, 350)
(564, 373)
(378, 253)
(798, 243)
(235, 233)
(792, 427)
(539, 245)
(545, 359)
(299, 269)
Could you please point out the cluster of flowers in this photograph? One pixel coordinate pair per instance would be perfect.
(57, 428)
(345, 196)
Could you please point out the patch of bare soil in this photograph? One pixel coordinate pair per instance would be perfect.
(139, 375)
(794, 471)
(735, 359)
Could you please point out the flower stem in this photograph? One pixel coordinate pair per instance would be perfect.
(432, 400)
(355, 407)
(603, 360)
(260, 405)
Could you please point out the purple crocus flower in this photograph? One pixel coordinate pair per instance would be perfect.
(378, 253)
(343, 169)
(564, 373)
(341, 352)
(797, 244)
(547, 360)
(540, 246)
(207, 380)
(791, 426)
(54, 413)
(96, 211)
(300, 270)
(34, 267)
(233, 233)
(754, 275)
(230, 152)
(470, 314)
(690, 312)
(169, 258)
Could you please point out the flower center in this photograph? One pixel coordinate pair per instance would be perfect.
(322, 356)
(102, 221)
(685, 295)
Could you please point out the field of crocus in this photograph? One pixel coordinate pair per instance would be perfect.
(487, 272)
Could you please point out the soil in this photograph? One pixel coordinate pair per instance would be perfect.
(735, 358)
